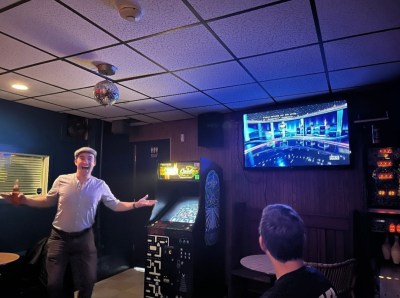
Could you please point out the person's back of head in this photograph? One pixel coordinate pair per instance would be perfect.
(282, 232)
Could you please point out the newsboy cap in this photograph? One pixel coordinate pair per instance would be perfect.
(85, 150)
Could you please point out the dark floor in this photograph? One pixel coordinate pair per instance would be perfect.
(21, 280)
(127, 284)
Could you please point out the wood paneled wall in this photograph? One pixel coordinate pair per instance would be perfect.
(324, 198)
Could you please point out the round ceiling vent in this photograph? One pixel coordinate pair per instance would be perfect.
(129, 10)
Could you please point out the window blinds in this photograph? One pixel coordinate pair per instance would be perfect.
(30, 170)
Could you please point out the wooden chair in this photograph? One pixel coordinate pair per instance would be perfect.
(342, 275)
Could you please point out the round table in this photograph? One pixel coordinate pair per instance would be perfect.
(8, 257)
(260, 263)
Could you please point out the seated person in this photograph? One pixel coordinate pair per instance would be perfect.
(282, 239)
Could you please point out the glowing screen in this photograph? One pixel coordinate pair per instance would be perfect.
(305, 135)
(185, 210)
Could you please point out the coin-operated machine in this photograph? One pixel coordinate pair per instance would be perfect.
(383, 184)
(185, 241)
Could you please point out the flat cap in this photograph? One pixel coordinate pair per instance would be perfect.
(85, 150)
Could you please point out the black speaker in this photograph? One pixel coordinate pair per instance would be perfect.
(210, 130)
(77, 127)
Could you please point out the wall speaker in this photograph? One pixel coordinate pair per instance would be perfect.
(77, 127)
(210, 130)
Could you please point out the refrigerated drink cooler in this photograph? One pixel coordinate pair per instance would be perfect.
(185, 239)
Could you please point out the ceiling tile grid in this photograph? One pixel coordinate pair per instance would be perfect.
(15, 54)
(52, 28)
(128, 63)
(188, 47)
(182, 58)
(278, 27)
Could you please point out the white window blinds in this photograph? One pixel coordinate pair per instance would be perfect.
(32, 171)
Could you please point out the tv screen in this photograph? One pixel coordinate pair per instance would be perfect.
(307, 135)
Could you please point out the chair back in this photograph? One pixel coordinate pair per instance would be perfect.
(342, 275)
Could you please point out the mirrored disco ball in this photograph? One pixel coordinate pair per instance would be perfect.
(106, 93)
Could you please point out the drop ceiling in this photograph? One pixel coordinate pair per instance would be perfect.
(188, 57)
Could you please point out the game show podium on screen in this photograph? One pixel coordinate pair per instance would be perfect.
(304, 135)
(184, 232)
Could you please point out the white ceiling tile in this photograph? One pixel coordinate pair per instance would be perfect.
(128, 62)
(301, 61)
(69, 100)
(108, 111)
(145, 106)
(112, 119)
(159, 85)
(364, 76)
(15, 54)
(194, 46)
(215, 76)
(81, 114)
(146, 119)
(158, 16)
(239, 105)
(41, 104)
(171, 115)
(52, 27)
(126, 94)
(9, 96)
(5, 3)
(289, 24)
(363, 50)
(188, 100)
(292, 97)
(62, 74)
(210, 8)
(238, 93)
(35, 88)
(276, 42)
(356, 17)
(208, 109)
(297, 85)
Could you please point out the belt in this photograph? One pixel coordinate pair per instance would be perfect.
(71, 234)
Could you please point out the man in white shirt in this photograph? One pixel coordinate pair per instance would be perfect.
(71, 240)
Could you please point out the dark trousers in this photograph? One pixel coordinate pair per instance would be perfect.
(79, 251)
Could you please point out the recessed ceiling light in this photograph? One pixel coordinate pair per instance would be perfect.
(19, 87)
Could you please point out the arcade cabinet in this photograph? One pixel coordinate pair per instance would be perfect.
(185, 245)
(384, 217)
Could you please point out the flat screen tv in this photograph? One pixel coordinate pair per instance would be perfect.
(306, 135)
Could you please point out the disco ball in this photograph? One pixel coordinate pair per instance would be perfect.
(106, 93)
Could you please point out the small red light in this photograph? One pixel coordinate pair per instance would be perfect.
(384, 163)
(385, 150)
(385, 176)
(398, 228)
(392, 228)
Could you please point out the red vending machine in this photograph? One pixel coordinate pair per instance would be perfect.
(384, 217)
(185, 241)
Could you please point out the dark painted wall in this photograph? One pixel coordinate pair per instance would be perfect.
(24, 129)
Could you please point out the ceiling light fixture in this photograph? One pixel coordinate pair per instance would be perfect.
(129, 10)
(19, 87)
(106, 92)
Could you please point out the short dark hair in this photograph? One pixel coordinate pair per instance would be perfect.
(282, 230)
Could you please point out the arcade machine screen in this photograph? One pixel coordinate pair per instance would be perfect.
(185, 210)
(177, 181)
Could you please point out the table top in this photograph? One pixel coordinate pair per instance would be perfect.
(260, 263)
(8, 257)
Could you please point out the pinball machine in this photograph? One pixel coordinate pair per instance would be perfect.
(185, 239)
